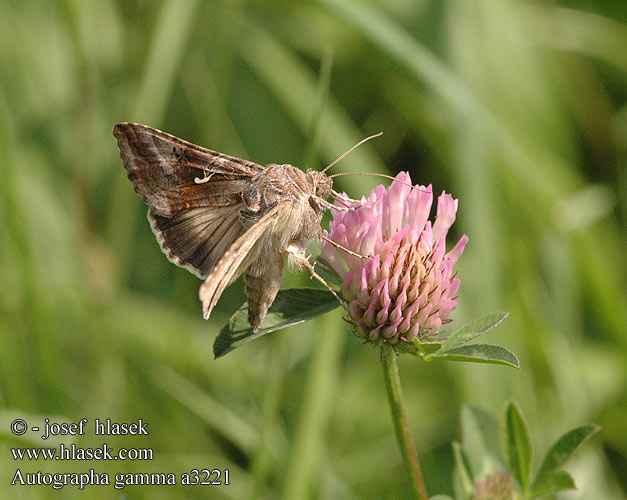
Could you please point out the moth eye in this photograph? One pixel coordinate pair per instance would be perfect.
(323, 190)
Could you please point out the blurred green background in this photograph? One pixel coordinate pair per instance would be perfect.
(517, 108)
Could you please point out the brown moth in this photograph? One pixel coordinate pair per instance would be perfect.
(219, 216)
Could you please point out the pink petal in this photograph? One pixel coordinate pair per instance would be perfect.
(419, 205)
(447, 207)
(457, 250)
(424, 313)
(391, 330)
(354, 309)
(394, 210)
(373, 267)
(367, 246)
(369, 315)
(413, 331)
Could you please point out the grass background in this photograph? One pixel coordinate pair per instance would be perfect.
(517, 108)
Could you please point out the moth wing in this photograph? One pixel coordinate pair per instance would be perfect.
(165, 170)
(197, 238)
(232, 262)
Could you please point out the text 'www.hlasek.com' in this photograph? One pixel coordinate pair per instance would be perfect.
(69, 452)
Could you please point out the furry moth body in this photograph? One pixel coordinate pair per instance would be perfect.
(219, 216)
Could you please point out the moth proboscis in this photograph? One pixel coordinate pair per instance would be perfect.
(219, 216)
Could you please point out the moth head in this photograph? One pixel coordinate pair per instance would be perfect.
(322, 185)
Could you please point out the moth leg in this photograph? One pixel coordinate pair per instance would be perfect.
(207, 175)
(329, 206)
(343, 198)
(344, 249)
(299, 257)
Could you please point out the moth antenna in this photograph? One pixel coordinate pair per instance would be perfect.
(350, 252)
(372, 174)
(351, 150)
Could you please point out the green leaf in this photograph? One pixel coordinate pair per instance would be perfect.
(552, 482)
(564, 447)
(480, 441)
(479, 353)
(291, 306)
(473, 329)
(516, 444)
(440, 497)
(463, 484)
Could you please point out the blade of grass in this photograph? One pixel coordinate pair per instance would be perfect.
(219, 417)
(166, 52)
(379, 29)
(276, 370)
(580, 31)
(322, 96)
(295, 86)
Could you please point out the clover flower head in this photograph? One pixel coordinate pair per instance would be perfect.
(406, 286)
(495, 487)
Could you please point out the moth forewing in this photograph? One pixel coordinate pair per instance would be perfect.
(164, 169)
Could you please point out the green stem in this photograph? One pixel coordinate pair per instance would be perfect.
(401, 425)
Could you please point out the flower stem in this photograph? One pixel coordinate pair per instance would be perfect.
(401, 426)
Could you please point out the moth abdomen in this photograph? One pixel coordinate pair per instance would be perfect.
(263, 280)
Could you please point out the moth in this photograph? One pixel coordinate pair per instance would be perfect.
(219, 216)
